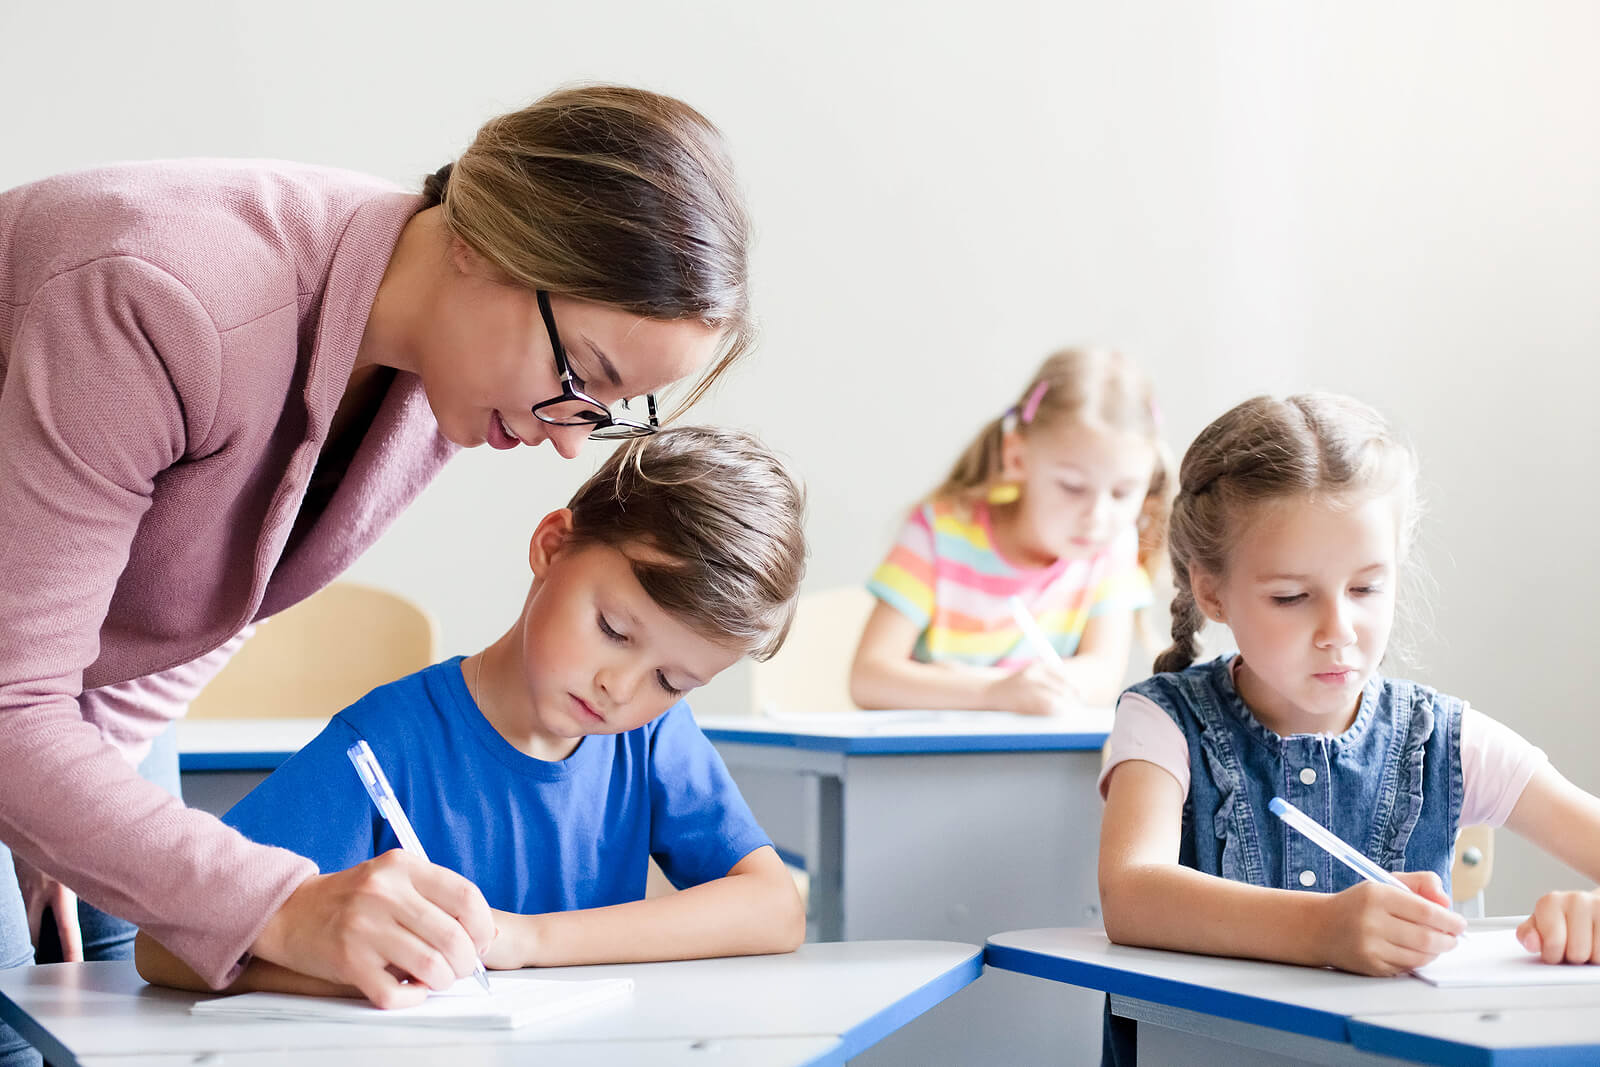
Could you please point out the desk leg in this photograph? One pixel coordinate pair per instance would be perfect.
(1172, 1035)
(825, 857)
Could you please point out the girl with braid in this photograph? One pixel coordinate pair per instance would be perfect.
(1292, 525)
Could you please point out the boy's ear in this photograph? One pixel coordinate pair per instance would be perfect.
(1204, 585)
(1013, 456)
(552, 534)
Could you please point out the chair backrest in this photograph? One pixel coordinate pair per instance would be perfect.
(1474, 863)
(812, 671)
(321, 655)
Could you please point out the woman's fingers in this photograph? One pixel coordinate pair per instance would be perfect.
(392, 914)
(461, 901)
(64, 906)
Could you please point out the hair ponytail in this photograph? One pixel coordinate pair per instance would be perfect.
(979, 464)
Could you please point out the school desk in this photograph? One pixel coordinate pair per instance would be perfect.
(220, 760)
(1206, 1010)
(822, 1004)
(938, 824)
(733, 1052)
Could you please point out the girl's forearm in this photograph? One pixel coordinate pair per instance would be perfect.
(738, 915)
(1217, 917)
(908, 683)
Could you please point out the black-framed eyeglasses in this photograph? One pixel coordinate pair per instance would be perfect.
(574, 407)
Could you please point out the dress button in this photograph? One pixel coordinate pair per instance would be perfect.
(1308, 776)
(1308, 878)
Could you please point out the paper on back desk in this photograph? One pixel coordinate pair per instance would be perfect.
(1496, 957)
(514, 1001)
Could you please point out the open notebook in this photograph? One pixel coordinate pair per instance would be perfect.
(1497, 958)
(513, 1001)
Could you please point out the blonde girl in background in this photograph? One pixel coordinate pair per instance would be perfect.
(1292, 525)
(1060, 502)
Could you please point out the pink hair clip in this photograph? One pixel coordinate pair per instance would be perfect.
(1030, 406)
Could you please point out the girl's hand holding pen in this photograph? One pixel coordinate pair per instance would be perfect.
(1040, 688)
(1378, 929)
(378, 923)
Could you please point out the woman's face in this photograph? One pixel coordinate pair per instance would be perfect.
(485, 357)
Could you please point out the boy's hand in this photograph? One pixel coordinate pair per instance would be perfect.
(379, 922)
(1564, 928)
(513, 947)
(1379, 930)
(1040, 688)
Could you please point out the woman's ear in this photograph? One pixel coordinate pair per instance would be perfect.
(553, 533)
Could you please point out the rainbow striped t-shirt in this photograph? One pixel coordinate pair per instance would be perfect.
(945, 575)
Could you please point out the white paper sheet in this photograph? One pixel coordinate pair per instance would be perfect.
(513, 1001)
(1497, 958)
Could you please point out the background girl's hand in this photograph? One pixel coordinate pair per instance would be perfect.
(1564, 927)
(379, 923)
(1377, 929)
(1040, 688)
(40, 891)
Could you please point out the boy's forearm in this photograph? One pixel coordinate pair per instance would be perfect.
(158, 966)
(1218, 917)
(739, 915)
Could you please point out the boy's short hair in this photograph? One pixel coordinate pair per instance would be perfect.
(721, 520)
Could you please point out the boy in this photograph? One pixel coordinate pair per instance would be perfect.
(549, 767)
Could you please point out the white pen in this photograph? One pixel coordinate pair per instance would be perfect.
(388, 806)
(1031, 633)
(1334, 845)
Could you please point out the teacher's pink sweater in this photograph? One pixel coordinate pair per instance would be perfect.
(174, 340)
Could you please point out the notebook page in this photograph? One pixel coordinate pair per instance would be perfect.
(1497, 958)
(513, 1001)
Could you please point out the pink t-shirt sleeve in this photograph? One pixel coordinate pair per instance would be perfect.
(1143, 731)
(1496, 765)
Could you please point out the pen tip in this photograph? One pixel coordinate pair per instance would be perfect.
(483, 978)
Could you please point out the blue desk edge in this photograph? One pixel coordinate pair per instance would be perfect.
(865, 1034)
(1275, 1015)
(910, 744)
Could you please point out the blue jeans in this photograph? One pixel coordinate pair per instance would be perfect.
(105, 937)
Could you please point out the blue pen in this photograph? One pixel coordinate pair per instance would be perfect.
(388, 806)
(1334, 845)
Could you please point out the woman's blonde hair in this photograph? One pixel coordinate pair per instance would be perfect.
(611, 194)
(1090, 385)
(1312, 444)
(723, 525)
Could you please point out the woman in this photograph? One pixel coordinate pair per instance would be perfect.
(219, 383)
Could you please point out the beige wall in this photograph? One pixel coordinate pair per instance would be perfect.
(1400, 200)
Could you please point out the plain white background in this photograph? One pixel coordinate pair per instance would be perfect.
(1398, 200)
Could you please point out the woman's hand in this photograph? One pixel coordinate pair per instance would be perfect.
(393, 927)
(1377, 929)
(1041, 688)
(1564, 927)
(40, 891)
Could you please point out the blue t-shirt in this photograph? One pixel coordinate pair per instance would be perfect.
(535, 836)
